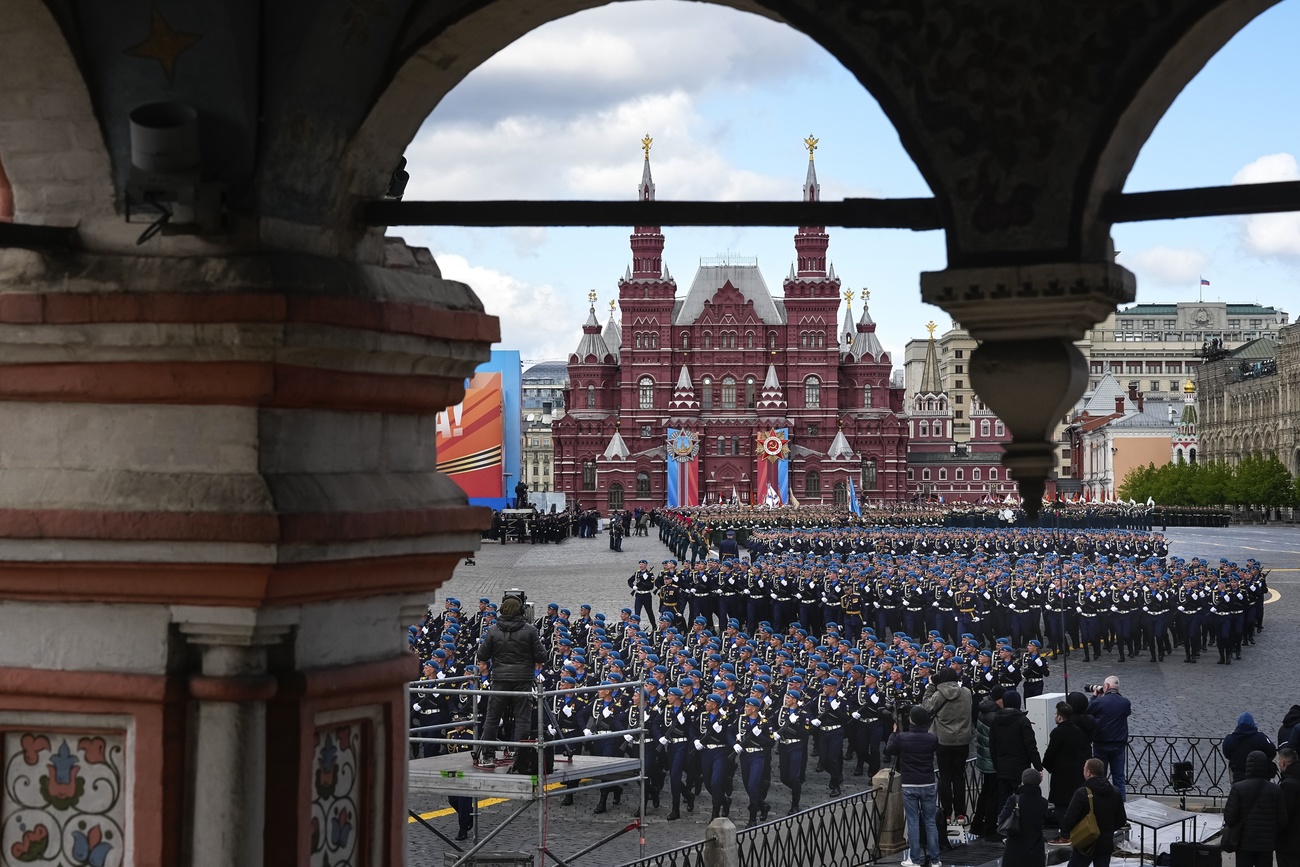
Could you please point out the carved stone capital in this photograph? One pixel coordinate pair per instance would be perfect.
(1023, 302)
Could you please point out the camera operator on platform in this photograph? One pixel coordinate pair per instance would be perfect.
(514, 649)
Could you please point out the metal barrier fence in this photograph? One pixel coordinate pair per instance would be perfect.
(691, 855)
(839, 833)
(1151, 761)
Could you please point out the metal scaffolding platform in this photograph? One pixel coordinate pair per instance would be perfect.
(456, 774)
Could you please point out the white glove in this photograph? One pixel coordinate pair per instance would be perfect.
(415, 706)
(663, 741)
(587, 732)
(835, 705)
(627, 738)
(607, 713)
(681, 719)
(550, 730)
(794, 717)
(738, 748)
(817, 723)
(699, 745)
(756, 730)
(717, 727)
(567, 710)
(856, 715)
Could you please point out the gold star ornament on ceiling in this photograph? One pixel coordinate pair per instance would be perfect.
(163, 44)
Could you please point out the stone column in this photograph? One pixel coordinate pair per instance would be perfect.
(1027, 368)
(228, 734)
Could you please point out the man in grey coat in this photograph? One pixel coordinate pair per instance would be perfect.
(514, 648)
(949, 704)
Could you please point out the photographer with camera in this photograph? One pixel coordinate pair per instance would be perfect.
(513, 648)
(1110, 744)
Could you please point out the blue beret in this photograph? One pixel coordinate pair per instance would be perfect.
(753, 702)
(673, 690)
(568, 680)
(830, 681)
(714, 697)
(484, 600)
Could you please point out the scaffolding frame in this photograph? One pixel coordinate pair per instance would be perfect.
(448, 775)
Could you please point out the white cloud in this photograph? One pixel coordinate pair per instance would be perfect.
(1271, 234)
(538, 320)
(1167, 266)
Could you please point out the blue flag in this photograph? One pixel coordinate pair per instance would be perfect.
(854, 506)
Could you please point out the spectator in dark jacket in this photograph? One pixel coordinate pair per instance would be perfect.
(1254, 808)
(1067, 750)
(949, 704)
(514, 648)
(1013, 745)
(1110, 743)
(1025, 848)
(1288, 842)
(1107, 806)
(985, 821)
(916, 749)
(1288, 734)
(1079, 704)
(1245, 739)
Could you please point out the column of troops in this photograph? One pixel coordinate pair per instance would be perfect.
(811, 652)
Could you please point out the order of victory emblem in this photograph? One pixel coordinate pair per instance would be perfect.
(773, 446)
(684, 446)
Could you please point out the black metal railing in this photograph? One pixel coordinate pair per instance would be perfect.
(691, 855)
(1151, 760)
(839, 833)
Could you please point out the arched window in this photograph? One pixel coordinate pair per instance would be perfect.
(735, 445)
(821, 339)
(923, 429)
(706, 393)
(643, 484)
(841, 491)
(993, 474)
(771, 340)
(707, 340)
(911, 474)
(589, 475)
(654, 340)
(938, 428)
(1191, 456)
(638, 340)
(728, 392)
(722, 445)
(943, 474)
(999, 429)
(616, 496)
(869, 475)
(866, 395)
(750, 386)
(686, 340)
(975, 474)
(984, 427)
(749, 340)
(959, 474)
(646, 393)
(812, 392)
(591, 395)
(925, 474)
(812, 484)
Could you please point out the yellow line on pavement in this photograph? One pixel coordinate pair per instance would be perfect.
(486, 802)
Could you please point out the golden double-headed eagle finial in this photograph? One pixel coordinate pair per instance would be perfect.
(865, 294)
(612, 303)
(591, 296)
(811, 144)
(930, 327)
(848, 296)
(645, 145)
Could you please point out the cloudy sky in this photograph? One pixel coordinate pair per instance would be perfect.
(729, 97)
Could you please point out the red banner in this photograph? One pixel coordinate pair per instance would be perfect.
(469, 438)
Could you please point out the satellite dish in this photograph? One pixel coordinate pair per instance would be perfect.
(529, 417)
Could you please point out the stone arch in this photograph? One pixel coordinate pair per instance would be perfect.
(440, 58)
(1136, 120)
(56, 167)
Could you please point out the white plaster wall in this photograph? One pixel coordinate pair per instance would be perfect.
(130, 639)
(354, 630)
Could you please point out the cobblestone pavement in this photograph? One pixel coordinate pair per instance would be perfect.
(1169, 698)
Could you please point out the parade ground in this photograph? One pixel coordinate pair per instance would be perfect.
(1169, 698)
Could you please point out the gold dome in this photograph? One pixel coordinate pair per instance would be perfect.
(1189, 387)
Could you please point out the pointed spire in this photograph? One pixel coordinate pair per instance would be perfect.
(930, 382)
(647, 241)
(683, 394)
(592, 343)
(810, 242)
(840, 449)
(613, 334)
(865, 342)
(771, 400)
(617, 449)
(846, 330)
